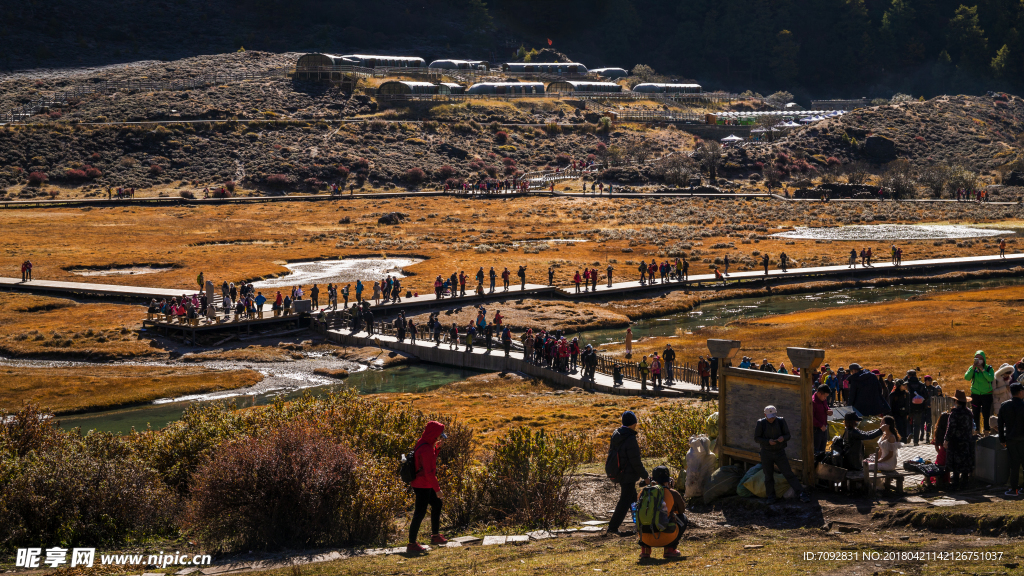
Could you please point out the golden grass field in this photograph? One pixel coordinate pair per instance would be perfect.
(492, 403)
(937, 333)
(253, 241)
(65, 390)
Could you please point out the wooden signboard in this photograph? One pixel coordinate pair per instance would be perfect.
(743, 395)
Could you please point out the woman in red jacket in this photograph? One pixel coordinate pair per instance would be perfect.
(425, 485)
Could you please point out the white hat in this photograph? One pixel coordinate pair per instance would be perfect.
(770, 412)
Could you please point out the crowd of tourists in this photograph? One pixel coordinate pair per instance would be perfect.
(455, 285)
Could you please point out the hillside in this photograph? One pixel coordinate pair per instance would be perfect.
(822, 49)
(979, 131)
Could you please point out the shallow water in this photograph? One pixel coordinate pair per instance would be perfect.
(721, 313)
(339, 271)
(408, 378)
(120, 271)
(889, 232)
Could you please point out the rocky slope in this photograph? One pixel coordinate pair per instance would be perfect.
(982, 132)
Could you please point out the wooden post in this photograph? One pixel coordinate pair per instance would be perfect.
(807, 360)
(722, 350)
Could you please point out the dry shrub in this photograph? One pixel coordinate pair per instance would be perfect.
(665, 431)
(187, 194)
(530, 474)
(295, 487)
(279, 180)
(59, 487)
(37, 178)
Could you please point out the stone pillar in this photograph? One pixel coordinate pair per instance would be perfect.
(807, 360)
(722, 350)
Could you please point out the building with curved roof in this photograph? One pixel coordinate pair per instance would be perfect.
(316, 60)
(372, 61)
(454, 88)
(406, 87)
(612, 73)
(506, 88)
(655, 88)
(547, 67)
(459, 64)
(567, 86)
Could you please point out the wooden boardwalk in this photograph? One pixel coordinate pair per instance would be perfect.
(838, 272)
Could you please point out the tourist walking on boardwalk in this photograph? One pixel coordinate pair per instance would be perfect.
(314, 296)
(505, 275)
(522, 277)
(643, 272)
(376, 293)
(359, 291)
(869, 255)
(462, 283)
(853, 258)
(764, 261)
(772, 434)
(344, 294)
(959, 442)
(201, 280)
(624, 467)
(551, 276)
(703, 372)
(981, 375)
(726, 264)
(644, 368)
(784, 262)
(426, 487)
(820, 413)
(669, 358)
(492, 275)
(26, 271)
(656, 371)
(453, 337)
(576, 280)
(589, 363)
(437, 331)
(1002, 248)
(686, 270)
(1011, 434)
(629, 342)
(506, 341)
(610, 269)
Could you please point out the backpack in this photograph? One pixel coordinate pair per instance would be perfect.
(407, 469)
(652, 512)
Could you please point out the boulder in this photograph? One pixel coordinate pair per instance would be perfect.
(1015, 178)
(880, 147)
(392, 218)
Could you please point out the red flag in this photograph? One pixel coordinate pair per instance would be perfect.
(550, 42)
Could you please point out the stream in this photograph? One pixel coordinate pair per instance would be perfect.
(292, 379)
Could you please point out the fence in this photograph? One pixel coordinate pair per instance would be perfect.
(341, 320)
(106, 86)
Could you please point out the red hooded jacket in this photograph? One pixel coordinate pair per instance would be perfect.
(426, 457)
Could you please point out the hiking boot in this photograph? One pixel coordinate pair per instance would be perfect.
(645, 553)
(1011, 492)
(769, 500)
(671, 553)
(438, 540)
(414, 548)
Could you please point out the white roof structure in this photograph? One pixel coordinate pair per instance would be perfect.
(732, 138)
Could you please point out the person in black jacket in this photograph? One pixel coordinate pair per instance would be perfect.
(853, 442)
(624, 467)
(772, 434)
(920, 412)
(669, 359)
(867, 394)
(1011, 435)
(899, 404)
